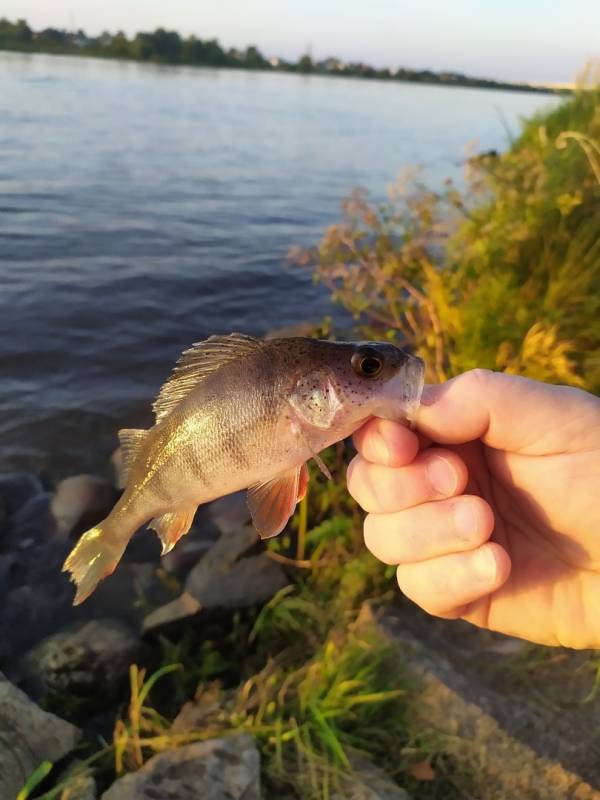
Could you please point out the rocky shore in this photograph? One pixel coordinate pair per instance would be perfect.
(65, 671)
(75, 661)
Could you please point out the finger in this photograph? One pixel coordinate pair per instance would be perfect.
(507, 411)
(429, 530)
(385, 442)
(433, 475)
(444, 586)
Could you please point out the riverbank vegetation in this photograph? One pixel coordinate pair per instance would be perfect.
(168, 47)
(505, 274)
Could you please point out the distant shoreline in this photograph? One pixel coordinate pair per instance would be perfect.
(168, 48)
(486, 85)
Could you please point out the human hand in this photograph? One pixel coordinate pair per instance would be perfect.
(491, 512)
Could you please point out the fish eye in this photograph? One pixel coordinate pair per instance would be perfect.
(367, 362)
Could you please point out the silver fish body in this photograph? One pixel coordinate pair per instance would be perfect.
(239, 412)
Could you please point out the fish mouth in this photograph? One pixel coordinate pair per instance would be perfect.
(401, 396)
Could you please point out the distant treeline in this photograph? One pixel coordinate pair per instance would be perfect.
(168, 47)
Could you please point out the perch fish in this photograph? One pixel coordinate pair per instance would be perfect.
(242, 413)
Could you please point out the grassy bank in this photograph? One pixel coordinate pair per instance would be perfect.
(506, 275)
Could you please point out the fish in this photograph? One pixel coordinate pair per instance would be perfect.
(243, 413)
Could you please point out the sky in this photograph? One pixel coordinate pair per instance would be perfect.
(529, 40)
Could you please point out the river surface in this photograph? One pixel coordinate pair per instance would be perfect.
(143, 208)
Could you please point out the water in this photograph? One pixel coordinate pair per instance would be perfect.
(143, 208)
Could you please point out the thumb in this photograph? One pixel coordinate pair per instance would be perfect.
(508, 412)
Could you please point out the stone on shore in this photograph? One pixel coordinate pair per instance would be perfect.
(80, 502)
(28, 736)
(218, 769)
(16, 489)
(220, 582)
(511, 746)
(228, 514)
(86, 664)
(369, 782)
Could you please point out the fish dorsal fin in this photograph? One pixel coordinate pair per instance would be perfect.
(195, 364)
(131, 440)
(273, 502)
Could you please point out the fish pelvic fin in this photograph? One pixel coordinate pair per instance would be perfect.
(131, 440)
(170, 527)
(93, 558)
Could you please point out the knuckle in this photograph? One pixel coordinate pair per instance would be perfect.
(479, 378)
(423, 593)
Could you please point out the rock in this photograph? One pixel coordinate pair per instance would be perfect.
(33, 522)
(3, 516)
(144, 546)
(16, 489)
(246, 583)
(229, 513)
(183, 557)
(218, 582)
(85, 663)
(510, 746)
(28, 736)
(368, 782)
(116, 461)
(80, 502)
(218, 560)
(218, 769)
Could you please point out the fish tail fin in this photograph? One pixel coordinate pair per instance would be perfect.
(95, 556)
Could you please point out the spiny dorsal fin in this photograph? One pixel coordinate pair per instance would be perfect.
(131, 440)
(202, 359)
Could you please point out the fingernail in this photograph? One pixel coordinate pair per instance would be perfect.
(442, 476)
(431, 394)
(465, 518)
(484, 564)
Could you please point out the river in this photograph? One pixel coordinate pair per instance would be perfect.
(144, 207)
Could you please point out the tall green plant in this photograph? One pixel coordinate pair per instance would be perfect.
(504, 275)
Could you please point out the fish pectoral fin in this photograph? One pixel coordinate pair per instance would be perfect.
(272, 503)
(302, 482)
(131, 440)
(170, 527)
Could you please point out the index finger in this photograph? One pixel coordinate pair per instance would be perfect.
(382, 441)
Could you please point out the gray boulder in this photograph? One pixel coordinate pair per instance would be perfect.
(218, 769)
(86, 663)
(116, 462)
(16, 489)
(220, 582)
(228, 514)
(28, 736)
(80, 502)
(369, 782)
